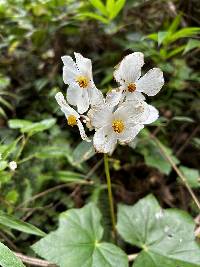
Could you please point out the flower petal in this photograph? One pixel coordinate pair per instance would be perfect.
(131, 111)
(102, 117)
(96, 97)
(73, 93)
(130, 133)
(105, 140)
(66, 109)
(135, 96)
(114, 97)
(153, 115)
(70, 70)
(83, 101)
(129, 70)
(140, 112)
(82, 131)
(84, 65)
(151, 82)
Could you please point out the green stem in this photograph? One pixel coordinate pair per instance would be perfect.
(110, 197)
(24, 142)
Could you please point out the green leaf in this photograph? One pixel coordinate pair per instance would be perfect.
(77, 242)
(58, 151)
(117, 8)
(4, 82)
(110, 5)
(94, 16)
(12, 196)
(175, 51)
(192, 176)
(5, 103)
(18, 124)
(8, 258)
(171, 30)
(196, 142)
(39, 126)
(10, 148)
(161, 37)
(166, 237)
(175, 24)
(185, 32)
(154, 158)
(14, 223)
(100, 6)
(31, 127)
(3, 164)
(2, 113)
(5, 177)
(83, 152)
(69, 177)
(153, 36)
(182, 118)
(191, 44)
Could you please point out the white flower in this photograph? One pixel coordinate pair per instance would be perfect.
(13, 165)
(120, 125)
(82, 91)
(128, 74)
(111, 101)
(73, 118)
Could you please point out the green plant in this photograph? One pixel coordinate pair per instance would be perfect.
(47, 172)
(106, 12)
(167, 40)
(4, 94)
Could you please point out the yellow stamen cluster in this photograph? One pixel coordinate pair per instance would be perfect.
(71, 120)
(82, 81)
(131, 87)
(118, 126)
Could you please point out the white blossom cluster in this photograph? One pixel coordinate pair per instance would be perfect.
(118, 117)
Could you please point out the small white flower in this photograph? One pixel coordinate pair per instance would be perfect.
(128, 73)
(111, 101)
(12, 165)
(120, 125)
(73, 118)
(82, 91)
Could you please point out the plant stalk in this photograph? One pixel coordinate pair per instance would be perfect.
(110, 196)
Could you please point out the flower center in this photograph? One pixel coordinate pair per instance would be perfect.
(82, 81)
(131, 87)
(118, 126)
(71, 120)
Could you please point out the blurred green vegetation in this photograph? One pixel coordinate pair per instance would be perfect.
(55, 169)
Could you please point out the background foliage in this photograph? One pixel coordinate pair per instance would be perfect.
(56, 171)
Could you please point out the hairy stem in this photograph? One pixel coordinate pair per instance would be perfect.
(110, 196)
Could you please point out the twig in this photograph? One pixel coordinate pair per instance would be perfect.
(42, 263)
(8, 241)
(187, 141)
(177, 170)
(50, 190)
(30, 211)
(34, 261)
(94, 168)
